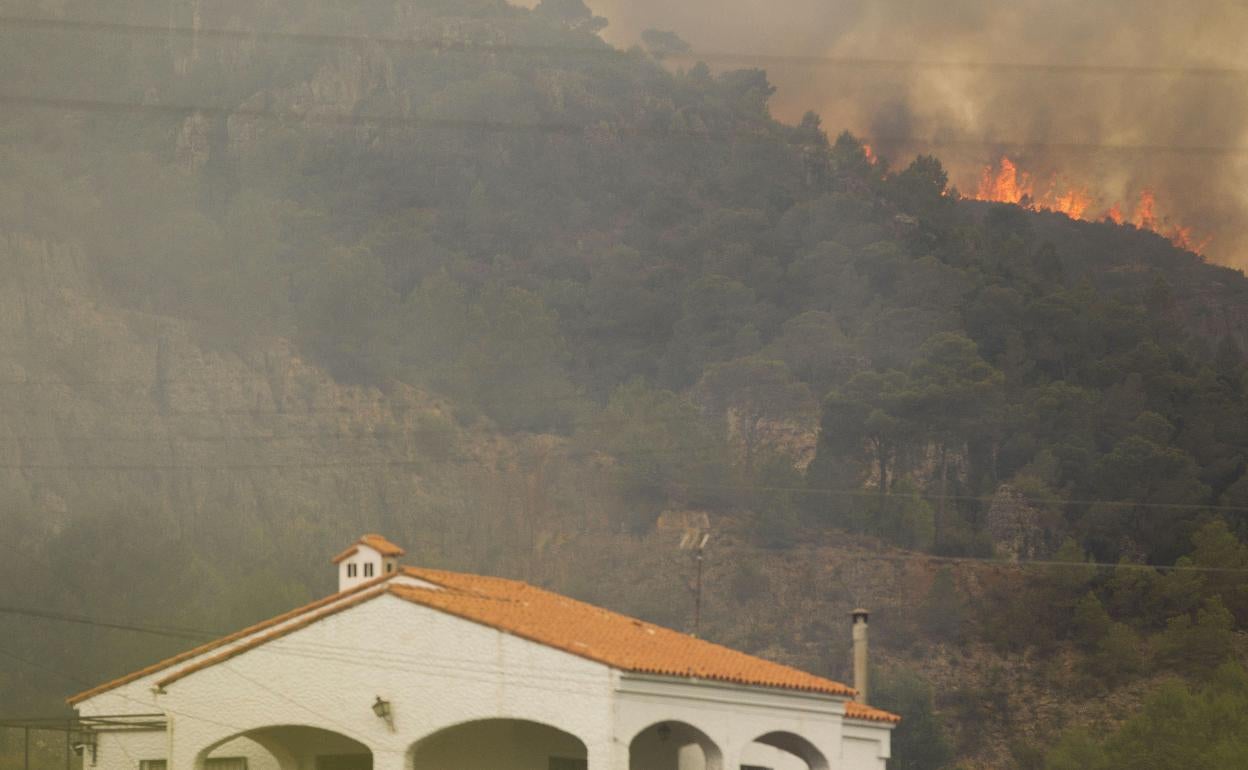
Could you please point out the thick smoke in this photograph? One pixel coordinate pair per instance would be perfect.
(1133, 96)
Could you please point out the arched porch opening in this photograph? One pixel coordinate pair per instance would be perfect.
(782, 751)
(499, 744)
(673, 745)
(286, 747)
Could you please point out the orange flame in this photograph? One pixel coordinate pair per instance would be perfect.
(1004, 186)
(866, 150)
(1073, 203)
(1144, 217)
(1007, 184)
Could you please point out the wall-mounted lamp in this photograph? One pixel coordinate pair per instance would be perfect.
(382, 709)
(665, 731)
(83, 744)
(82, 749)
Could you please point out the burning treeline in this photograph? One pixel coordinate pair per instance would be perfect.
(1004, 182)
(1117, 97)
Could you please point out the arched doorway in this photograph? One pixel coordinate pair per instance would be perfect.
(287, 747)
(673, 745)
(782, 751)
(499, 744)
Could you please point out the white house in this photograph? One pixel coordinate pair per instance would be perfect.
(408, 668)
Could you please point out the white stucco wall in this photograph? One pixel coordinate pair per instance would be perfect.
(439, 671)
(866, 746)
(364, 555)
(125, 750)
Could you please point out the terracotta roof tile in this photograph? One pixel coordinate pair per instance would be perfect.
(600, 635)
(383, 546)
(376, 542)
(855, 710)
(543, 617)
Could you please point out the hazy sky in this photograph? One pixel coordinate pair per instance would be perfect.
(976, 114)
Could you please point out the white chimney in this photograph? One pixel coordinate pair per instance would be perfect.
(368, 558)
(860, 653)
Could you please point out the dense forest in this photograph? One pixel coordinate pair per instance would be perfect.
(431, 243)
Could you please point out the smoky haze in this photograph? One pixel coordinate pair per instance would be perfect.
(1113, 98)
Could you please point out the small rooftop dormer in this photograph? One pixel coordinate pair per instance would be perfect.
(369, 557)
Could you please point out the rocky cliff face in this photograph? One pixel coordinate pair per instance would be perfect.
(102, 407)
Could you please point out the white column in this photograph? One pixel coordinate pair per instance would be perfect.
(389, 760)
(183, 754)
(607, 755)
(729, 752)
(189, 737)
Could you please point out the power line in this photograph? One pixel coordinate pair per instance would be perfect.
(116, 626)
(150, 467)
(1153, 149)
(464, 669)
(435, 45)
(34, 24)
(460, 668)
(562, 128)
(740, 489)
(34, 664)
(298, 703)
(183, 110)
(984, 561)
(429, 663)
(812, 490)
(314, 647)
(1022, 68)
(538, 679)
(81, 682)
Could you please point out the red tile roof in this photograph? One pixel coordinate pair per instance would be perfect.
(543, 617)
(855, 710)
(600, 635)
(376, 542)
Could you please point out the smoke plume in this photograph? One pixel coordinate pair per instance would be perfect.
(1117, 98)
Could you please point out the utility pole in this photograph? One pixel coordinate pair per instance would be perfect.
(695, 541)
(697, 594)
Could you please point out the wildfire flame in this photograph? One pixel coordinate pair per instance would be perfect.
(1005, 183)
(1144, 217)
(1073, 203)
(870, 154)
(1004, 186)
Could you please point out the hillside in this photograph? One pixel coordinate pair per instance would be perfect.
(465, 274)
